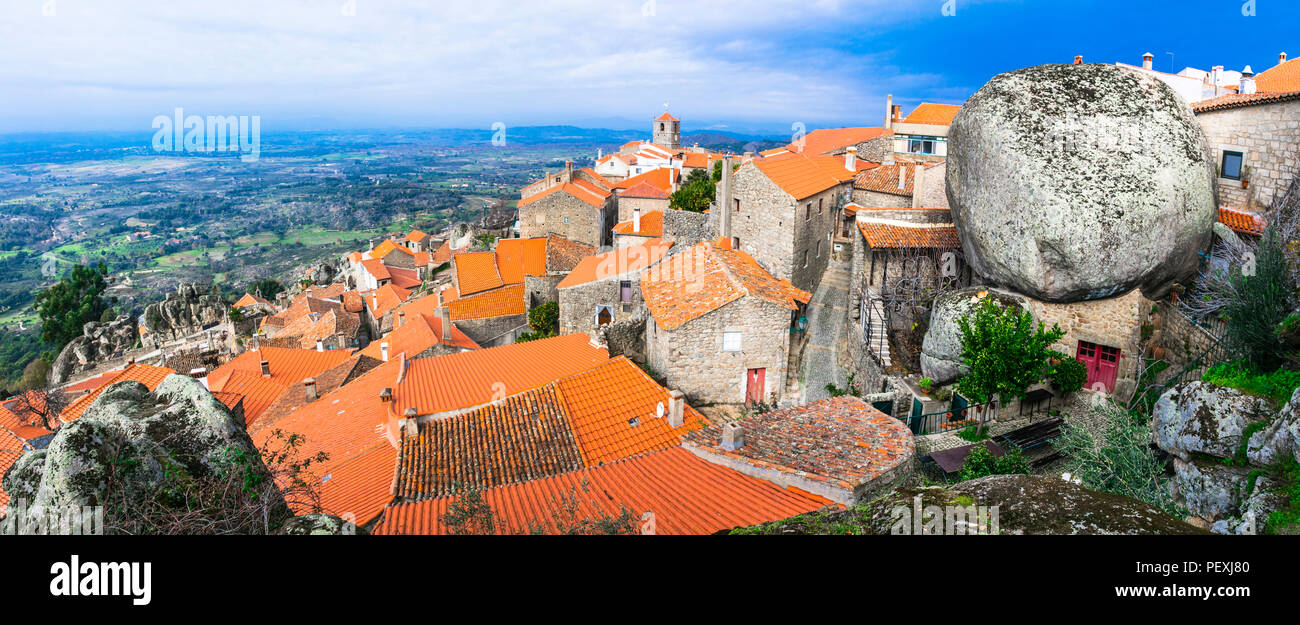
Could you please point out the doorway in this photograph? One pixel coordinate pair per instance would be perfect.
(755, 385)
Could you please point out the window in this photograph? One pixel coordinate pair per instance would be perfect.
(807, 214)
(819, 206)
(819, 249)
(805, 258)
(730, 341)
(625, 291)
(737, 205)
(921, 145)
(604, 316)
(1231, 165)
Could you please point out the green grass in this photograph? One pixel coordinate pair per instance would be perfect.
(1277, 386)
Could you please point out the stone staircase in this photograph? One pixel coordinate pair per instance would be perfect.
(879, 340)
(813, 363)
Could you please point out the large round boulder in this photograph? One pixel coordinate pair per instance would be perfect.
(1075, 182)
(941, 349)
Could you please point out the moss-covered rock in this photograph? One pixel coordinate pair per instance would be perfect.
(320, 525)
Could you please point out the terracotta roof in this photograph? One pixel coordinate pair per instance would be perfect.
(417, 333)
(843, 441)
(666, 118)
(562, 255)
(700, 160)
(687, 495)
(1244, 99)
(884, 179)
(355, 258)
(644, 190)
(502, 302)
(288, 366)
(707, 277)
(936, 114)
(405, 278)
(386, 298)
(587, 193)
(616, 263)
(614, 412)
(90, 384)
(11, 448)
(476, 272)
(442, 254)
(906, 235)
(376, 268)
(258, 392)
(148, 375)
(388, 247)
(661, 178)
(830, 140)
(652, 225)
(250, 300)
(296, 394)
(1281, 78)
(304, 332)
(416, 235)
(1241, 221)
(802, 176)
(516, 258)
(521, 437)
(474, 378)
(22, 416)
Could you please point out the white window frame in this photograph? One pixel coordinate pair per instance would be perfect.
(739, 338)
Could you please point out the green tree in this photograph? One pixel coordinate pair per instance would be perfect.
(1004, 352)
(544, 320)
(74, 300)
(1264, 299)
(981, 463)
(268, 287)
(696, 193)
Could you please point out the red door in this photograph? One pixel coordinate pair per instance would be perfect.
(755, 384)
(1102, 363)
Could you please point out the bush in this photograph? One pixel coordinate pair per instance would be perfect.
(1277, 386)
(1068, 375)
(1121, 462)
(981, 463)
(1004, 351)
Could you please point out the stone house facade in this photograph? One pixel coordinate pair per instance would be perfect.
(570, 213)
(606, 288)
(1253, 138)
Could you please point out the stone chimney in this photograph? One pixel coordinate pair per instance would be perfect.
(733, 436)
(1247, 81)
(851, 158)
(676, 408)
(320, 345)
(727, 202)
(374, 301)
(889, 111)
(902, 176)
(410, 422)
(310, 385)
(383, 351)
(1078, 60)
(444, 314)
(568, 171)
(1281, 58)
(1148, 60)
(266, 369)
(401, 317)
(386, 395)
(636, 219)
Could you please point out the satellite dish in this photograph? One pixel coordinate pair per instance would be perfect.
(659, 411)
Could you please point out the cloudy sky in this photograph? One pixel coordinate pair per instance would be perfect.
(745, 65)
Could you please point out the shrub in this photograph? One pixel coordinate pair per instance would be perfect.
(981, 463)
(1068, 375)
(1004, 351)
(1121, 462)
(1277, 386)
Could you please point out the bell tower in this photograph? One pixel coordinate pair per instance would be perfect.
(667, 131)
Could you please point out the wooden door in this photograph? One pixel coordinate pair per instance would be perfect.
(755, 385)
(1102, 364)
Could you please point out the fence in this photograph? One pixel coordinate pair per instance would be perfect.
(958, 415)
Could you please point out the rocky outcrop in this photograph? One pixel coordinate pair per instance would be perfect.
(98, 343)
(1073, 182)
(1026, 504)
(941, 349)
(189, 310)
(322, 273)
(1223, 442)
(320, 525)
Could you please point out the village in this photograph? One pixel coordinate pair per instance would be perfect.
(668, 339)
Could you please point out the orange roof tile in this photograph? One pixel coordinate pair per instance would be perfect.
(288, 366)
(258, 392)
(906, 235)
(1241, 221)
(1235, 100)
(501, 302)
(661, 178)
(614, 412)
(644, 190)
(587, 193)
(388, 247)
(386, 298)
(802, 176)
(516, 258)
(90, 384)
(468, 379)
(936, 114)
(666, 118)
(652, 225)
(405, 278)
(417, 333)
(562, 254)
(1281, 78)
(416, 235)
(25, 415)
(884, 179)
(476, 272)
(250, 300)
(707, 277)
(377, 269)
(11, 448)
(830, 140)
(616, 263)
(148, 375)
(686, 494)
(442, 254)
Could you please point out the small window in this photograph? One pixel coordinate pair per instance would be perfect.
(1231, 165)
(737, 205)
(805, 258)
(819, 206)
(807, 213)
(730, 341)
(625, 291)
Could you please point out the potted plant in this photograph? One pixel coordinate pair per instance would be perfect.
(926, 385)
(1245, 176)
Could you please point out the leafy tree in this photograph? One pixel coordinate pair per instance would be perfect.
(1004, 351)
(268, 287)
(695, 195)
(544, 320)
(981, 463)
(74, 300)
(1068, 375)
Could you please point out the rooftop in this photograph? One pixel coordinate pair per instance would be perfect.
(802, 176)
(500, 302)
(884, 234)
(825, 141)
(1235, 100)
(652, 225)
(616, 263)
(935, 114)
(1242, 222)
(1281, 78)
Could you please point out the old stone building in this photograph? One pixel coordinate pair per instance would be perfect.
(719, 326)
(1255, 145)
(578, 207)
(924, 133)
(668, 131)
(606, 288)
(783, 210)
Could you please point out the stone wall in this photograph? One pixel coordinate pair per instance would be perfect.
(567, 216)
(929, 189)
(691, 356)
(579, 304)
(626, 206)
(626, 338)
(777, 231)
(1268, 136)
(540, 289)
(494, 331)
(877, 149)
(876, 199)
(685, 228)
(1114, 322)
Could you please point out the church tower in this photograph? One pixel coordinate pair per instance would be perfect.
(668, 131)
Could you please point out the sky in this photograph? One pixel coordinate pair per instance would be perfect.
(747, 66)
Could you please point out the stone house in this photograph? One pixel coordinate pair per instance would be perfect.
(783, 211)
(606, 288)
(1255, 143)
(642, 197)
(719, 324)
(578, 208)
(924, 133)
(870, 142)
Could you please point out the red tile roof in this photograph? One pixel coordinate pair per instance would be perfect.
(90, 384)
(386, 298)
(616, 263)
(936, 114)
(904, 235)
(11, 448)
(666, 118)
(148, 375)
(707, 277)
(802, 176)
(685, 494)
(1281, 78)
(1241, 221)
(652, 225)
(476, 272)
(644, 190)
(288, 366)
(382, 250)
(1245, 99)
(562, 255)
(884, 179)
(250, 300)
(258, 392)
(25, 415)
(516, 258)
(405, 278)
(416, 235)
(661, 178)
(830, 140)
(376, 268)
(587, 193)
(417, 333)
(502, 302)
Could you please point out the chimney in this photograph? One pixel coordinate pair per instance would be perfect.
(568, 171)
(600, 153)
(1247, 81)
(411, 424)
(383, 351)
(374, 301)
(898, 112)
(386, 395)
(733, 436)
(902, 176)
(1281, 58)
(636, 219)
(266, 369)
(444, 315)
(676, 408)
(851, 158)
(310, 384)
(1148, 60)
(889, 111)
(320, 345)
(1078, 60)
(725, 206)
(401, 316)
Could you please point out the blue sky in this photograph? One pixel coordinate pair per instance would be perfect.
(743, 65)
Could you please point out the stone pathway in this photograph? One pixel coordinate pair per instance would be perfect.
(826, 314)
